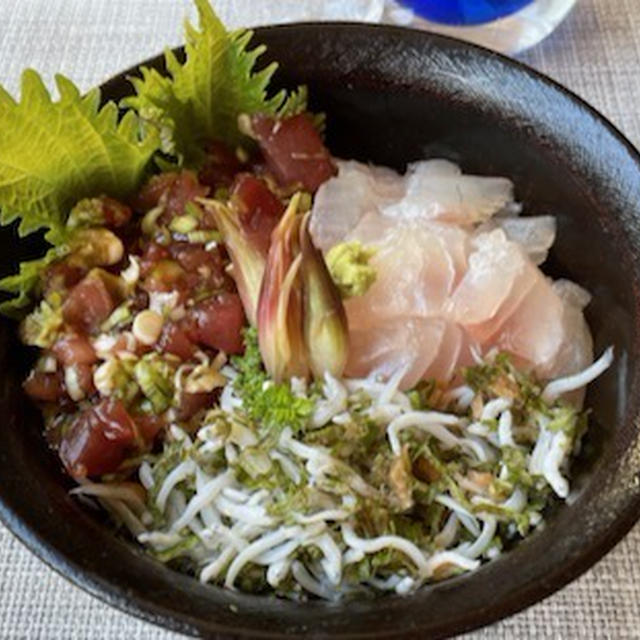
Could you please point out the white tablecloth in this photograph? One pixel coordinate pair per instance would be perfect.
(596, 53)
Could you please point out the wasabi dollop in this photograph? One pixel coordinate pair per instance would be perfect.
(350, 268)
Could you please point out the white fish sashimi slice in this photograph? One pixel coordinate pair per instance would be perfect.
(436, 168)
(388, 347)
(415, 274)
(535, 331)
(497, 280)
(458, 245)
(342, 201)
(454, 352)
(371, 229)
(437, 190)
(576, 351)
(444, 364)
(572, 293)
(535, 234)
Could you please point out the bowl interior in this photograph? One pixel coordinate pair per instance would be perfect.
(393, 96)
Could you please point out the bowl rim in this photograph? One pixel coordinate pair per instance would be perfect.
(91, 582)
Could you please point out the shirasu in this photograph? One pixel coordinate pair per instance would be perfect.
(332, 561)
(268, 541)
(481, 543)
(580, 380)
(203, 498)
(505, 424)
(334, 402)
(278, 571)
(314, 545)
(431, 422)
(310, 584)
(373, 545)
(182, 471)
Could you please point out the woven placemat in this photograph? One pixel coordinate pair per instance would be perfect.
(596, 53)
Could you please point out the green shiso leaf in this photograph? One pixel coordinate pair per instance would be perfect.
(54, 153)
(203, 96)
(23, 283)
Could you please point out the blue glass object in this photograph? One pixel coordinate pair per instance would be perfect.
(465, 12)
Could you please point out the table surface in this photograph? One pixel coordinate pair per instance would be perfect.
(596, 53)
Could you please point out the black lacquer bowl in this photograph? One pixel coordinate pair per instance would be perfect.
(393, 96)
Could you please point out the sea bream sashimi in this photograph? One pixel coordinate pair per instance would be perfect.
(438, 190)
(367, 189)
(456, 273)
(414, 282)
